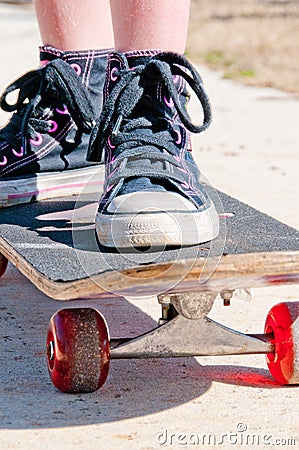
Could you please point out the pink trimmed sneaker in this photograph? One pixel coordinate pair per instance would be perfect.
(43, 147)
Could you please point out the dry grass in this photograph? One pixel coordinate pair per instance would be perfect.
(255, 41)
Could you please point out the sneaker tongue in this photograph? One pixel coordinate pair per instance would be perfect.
(140, 57)
(141, 183)
(47, 53)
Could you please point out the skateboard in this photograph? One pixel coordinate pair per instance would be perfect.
(53, 244)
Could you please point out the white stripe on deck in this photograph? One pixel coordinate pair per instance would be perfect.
(55, 246)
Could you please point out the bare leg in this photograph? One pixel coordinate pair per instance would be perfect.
(149, 24)
(75, 24)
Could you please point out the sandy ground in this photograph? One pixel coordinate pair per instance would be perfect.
(251, 152)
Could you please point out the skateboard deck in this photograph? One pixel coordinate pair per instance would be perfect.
(53, 244)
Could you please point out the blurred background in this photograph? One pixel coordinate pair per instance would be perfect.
(252, 41)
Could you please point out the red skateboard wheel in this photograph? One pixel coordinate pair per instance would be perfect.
(283, 322)
(3, 264)
(78, 351)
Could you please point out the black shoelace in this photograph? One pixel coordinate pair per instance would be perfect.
(132, 130)
(59, 82)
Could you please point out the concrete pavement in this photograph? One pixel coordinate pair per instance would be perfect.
(251, 152)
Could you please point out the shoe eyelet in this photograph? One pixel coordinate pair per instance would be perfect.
(18, 154)
(54, 126)
(62, 111)
(113, 77)
(109, 142)
(77, 69)
(168, 102)
(4, 161)
(178, 141)
(38, 141)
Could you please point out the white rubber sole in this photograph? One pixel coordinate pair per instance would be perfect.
(49, 185)
(156, 229)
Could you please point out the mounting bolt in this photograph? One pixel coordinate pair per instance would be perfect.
(168, 313)
(226, 296)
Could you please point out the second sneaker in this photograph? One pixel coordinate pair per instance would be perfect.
(43, 147)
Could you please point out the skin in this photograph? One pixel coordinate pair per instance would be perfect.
(137, 24)
(75, 24)
(150, 24)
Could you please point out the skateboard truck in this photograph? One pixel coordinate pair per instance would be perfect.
(185, 330)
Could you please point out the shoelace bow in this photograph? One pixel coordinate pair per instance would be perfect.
(128, 92)
(59, 81)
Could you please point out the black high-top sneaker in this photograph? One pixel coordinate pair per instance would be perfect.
(44, 145)
(153, 194)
